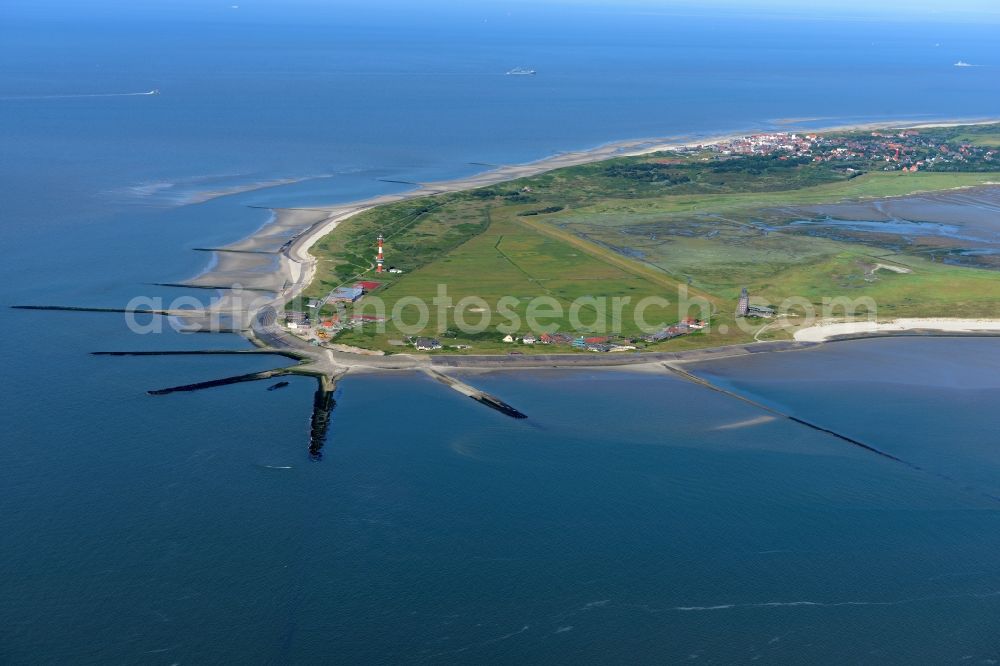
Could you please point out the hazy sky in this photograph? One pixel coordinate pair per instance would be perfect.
(894, 10)
(824, 5)
(902, 9)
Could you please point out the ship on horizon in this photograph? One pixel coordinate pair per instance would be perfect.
(521, 71)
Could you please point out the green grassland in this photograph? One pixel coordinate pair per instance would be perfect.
(980, 135)
(515, 260)
(871, 185)
(991, 139)
(718, 242)
(641, 227)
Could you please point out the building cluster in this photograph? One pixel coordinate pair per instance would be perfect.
(596, 343)
(605, 343)
(426, 344)
(324, 328)
(682, 328)
(344, 294)
(767, 144)
(905, 150)
(318, 328)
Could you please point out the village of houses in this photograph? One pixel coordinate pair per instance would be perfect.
(902, 150)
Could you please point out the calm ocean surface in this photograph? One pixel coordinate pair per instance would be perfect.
(631, 519)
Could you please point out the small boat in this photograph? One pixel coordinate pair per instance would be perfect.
(154, 91)
(279, 385)
(521, 71)
(962, 63)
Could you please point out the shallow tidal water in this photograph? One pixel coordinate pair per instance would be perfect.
(959, 226)
(633, 518)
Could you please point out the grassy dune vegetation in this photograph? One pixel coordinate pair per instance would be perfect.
(981, 135)
(642, 227)
(722, 242)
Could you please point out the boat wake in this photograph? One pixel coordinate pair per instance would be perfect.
(746, 423)
(148, 93)
(656, 610)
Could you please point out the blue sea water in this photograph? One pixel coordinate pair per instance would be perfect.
(631, 519)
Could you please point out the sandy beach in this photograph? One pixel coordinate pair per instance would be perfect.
(827, 331)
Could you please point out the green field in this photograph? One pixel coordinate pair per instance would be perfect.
(628, 230)
(716, 242)
(511, 260)
(981, 135)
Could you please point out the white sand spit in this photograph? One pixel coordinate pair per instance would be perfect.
(825, 331)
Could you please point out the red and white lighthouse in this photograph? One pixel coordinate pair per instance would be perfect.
(379, 258)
